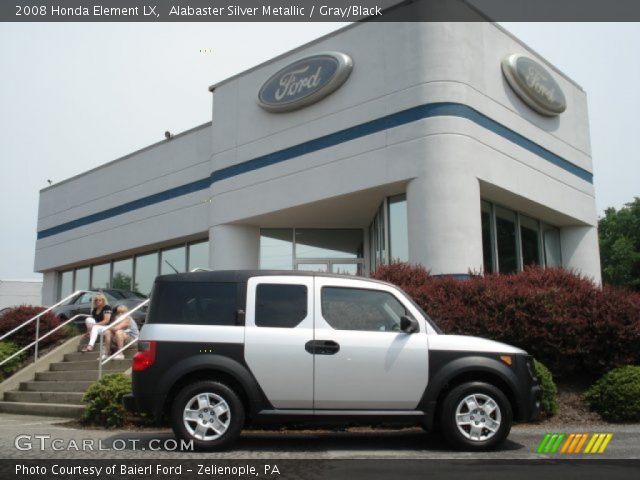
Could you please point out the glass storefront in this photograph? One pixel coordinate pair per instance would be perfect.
(146, 272)
(66, 284)
(389, 233)
(123, 275)
(174, 260)
(100, 276)
(398, 229)
(512, 241)
(312, 249)
(199, 255)
(276, 249)
(135, 273)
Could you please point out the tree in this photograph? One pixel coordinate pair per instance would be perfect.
(122, 281)
(619, 232)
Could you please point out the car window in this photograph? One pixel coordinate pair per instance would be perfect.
(361, 309)
(194, 303)
(280, 306)
(84, 298)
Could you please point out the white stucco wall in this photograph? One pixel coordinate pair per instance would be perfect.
(445, 164)
(20, 292)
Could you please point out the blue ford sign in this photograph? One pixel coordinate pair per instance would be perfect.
(534, 84)
(305, 82)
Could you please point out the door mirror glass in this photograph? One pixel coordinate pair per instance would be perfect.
(408, 324)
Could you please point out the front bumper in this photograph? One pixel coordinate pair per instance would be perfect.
(534, 403)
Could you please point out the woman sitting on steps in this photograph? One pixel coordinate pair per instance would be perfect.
(98, 321)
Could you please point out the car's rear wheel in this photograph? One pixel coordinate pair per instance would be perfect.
(209, 413)
(476, 416)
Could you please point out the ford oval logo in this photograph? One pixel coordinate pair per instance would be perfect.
(534, 84)
(305, 82)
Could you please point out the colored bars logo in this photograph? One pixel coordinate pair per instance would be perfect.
(572, 443)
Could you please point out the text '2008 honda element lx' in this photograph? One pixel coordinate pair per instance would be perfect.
(228, 349)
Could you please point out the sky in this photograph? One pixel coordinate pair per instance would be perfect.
(75, 96)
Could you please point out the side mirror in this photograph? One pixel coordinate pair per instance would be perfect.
(408, 324)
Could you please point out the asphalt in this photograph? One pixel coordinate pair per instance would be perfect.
(30, 437)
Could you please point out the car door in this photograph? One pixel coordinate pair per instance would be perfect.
(82, 304)
(278, 324)
(367, 362)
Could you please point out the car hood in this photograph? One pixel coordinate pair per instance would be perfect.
(470, 344)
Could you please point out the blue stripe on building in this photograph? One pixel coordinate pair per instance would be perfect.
(374, 126)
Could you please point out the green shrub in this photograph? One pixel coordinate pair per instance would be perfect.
(6, 350)
(71, 330)
(549, 403)
(104, 401)
(572, 325)
(616, 396)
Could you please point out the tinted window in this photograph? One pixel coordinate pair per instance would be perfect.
(194, 303)
(283, 306)
(358, 309)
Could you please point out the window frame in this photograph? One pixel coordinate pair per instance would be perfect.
(407, 311)
(542, 227)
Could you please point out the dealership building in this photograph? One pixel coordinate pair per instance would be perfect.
(451, 145)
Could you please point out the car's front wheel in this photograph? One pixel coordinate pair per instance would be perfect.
(476, 416)
(209, 413)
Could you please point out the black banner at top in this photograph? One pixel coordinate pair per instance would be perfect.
(318, 10)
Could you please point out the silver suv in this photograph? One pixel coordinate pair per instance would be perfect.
(228, 349)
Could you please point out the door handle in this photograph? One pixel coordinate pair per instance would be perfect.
(322, 347)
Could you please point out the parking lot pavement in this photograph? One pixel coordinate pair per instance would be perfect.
(30, 437)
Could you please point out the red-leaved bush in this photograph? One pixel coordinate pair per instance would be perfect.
(562, 319)
(23, 337)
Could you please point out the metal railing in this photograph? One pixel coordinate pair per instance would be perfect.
(121, 318)
(36, 318)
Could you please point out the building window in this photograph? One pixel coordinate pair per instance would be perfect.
(530, 238)
(123, 275)
(100, 276)
(488, 257)
(276, 249)
(551, 240)
(506, 238)
(338, 250)
(146, 272)
(512, 241)
(134, 273)
(66, 283)
(173, 259)
(398, 229)
(389, 233)
(82, 279)
(199, 255)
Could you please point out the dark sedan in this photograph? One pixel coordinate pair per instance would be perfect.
(82, 303)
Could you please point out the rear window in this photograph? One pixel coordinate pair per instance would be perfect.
(193, 303)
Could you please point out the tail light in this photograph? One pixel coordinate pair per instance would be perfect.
(145, 357)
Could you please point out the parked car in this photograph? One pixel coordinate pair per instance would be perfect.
(225, 350)
(82, 303)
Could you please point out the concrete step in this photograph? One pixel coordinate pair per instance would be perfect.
(69, 375)
(44, 397)
(44, 409)
(114, 365)
(80, 356)
(57, 386)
